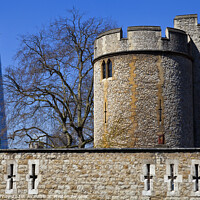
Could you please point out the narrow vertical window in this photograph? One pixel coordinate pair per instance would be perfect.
(196, 177)
(172, 177)
(148, 177)
(104, 69)
(105, 112)
(109, 64)
(160, 111)
(33, 177)
(10, 177)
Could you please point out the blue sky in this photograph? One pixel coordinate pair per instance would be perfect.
(19, 17)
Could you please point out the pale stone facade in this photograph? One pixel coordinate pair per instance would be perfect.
(99, 174)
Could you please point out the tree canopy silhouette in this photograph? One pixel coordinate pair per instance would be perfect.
(50, 91)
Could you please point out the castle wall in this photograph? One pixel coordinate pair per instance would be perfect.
(100, 174)
(177, 94)
(190, 25)
(140, 38)
(149, 73)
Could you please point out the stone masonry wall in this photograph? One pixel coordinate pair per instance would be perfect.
(133, 95)
(140, 39)
(189, 24)
(177, 93)
(99, 174)
(150, 92)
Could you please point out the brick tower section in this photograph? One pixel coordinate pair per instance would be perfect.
(147, 98)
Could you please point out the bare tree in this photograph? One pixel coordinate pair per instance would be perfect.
(50, 92)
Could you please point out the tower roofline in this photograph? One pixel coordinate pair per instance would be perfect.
(112, 31)
(186, 16)
(142, 38)
(144, 28)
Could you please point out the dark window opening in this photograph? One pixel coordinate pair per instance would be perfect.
(148, 177)
(105, 112)
(11, 176)
(104, 69)
(109, 64)
(172, 177)
(33, 177)
(196, 177)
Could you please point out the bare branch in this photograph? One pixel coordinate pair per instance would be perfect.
(50, 92)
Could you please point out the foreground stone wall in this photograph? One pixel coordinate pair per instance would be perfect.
(101, 174)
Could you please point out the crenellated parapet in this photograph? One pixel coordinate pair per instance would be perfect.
(141, 38)
(189, 24)
(181, 21)
(146, 87)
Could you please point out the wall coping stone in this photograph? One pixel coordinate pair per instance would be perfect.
(144, 28)
(186, 16)
(175, 30)
(112, 31)
(104, 150)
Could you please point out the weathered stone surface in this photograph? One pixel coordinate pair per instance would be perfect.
(142, 82)
(189, 24)
(119, 174)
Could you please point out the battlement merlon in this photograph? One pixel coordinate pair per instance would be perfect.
(185, 20)
(141, 38)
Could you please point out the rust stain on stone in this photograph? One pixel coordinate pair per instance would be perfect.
(134, 99)
(105, 107)
(160, 102)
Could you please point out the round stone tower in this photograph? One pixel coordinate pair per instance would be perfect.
(143, 89)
